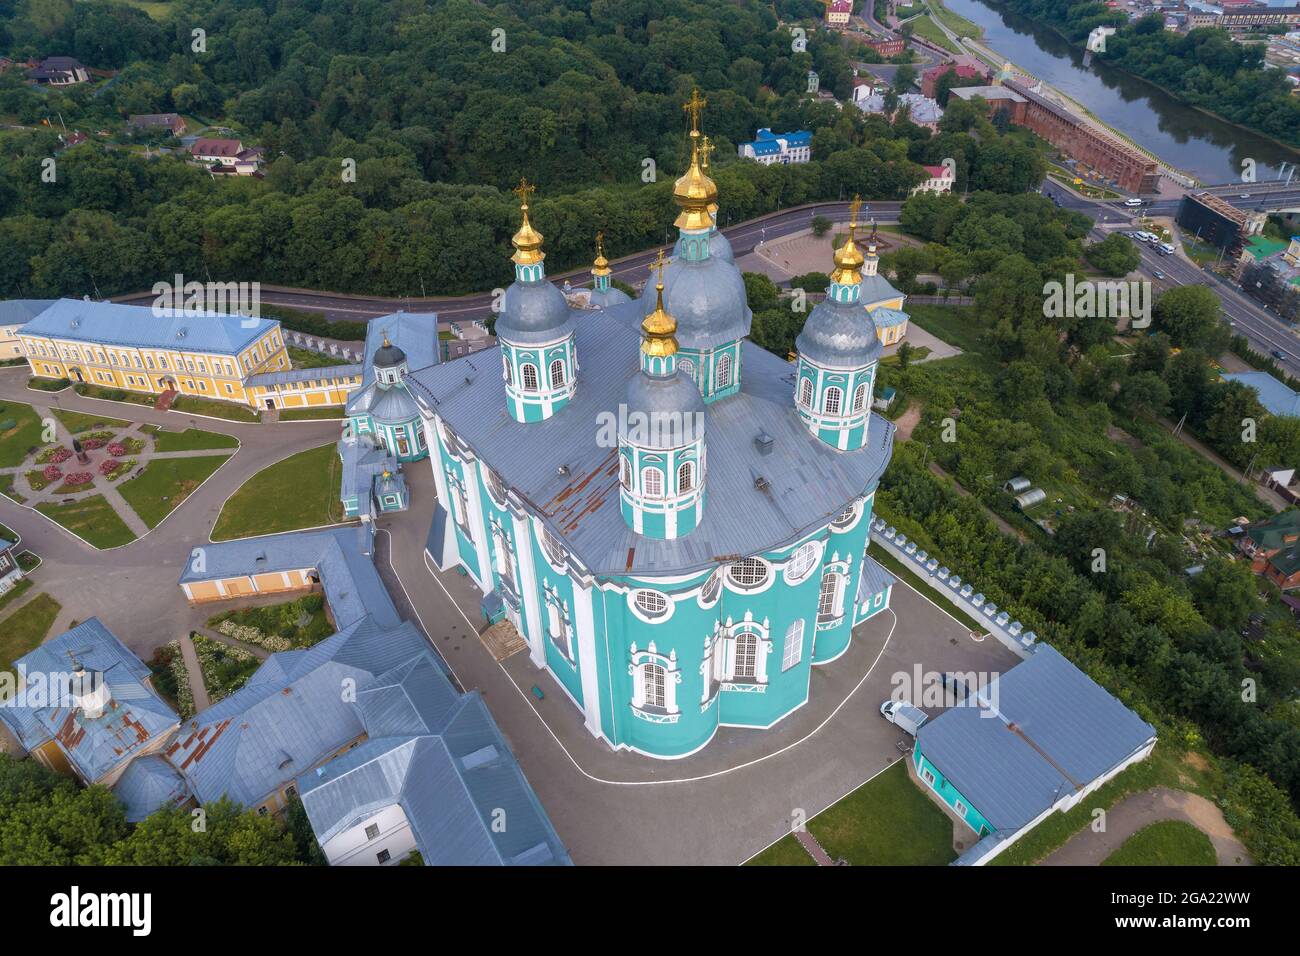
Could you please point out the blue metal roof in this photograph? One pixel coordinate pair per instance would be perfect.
(1276, 396)
(149, 784)
(874, 580)
(134, 719)
(571, 479)
(107, 323)
(886, 318)
(321, 373)
(22, 311)
(415, 333)
(341, 556)
(440, 756)
(1040, 730)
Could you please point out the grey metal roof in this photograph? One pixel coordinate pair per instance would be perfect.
(839, 335)
(390, 404)
(876, 288)
(22, 311)
(414, 334)
(806, 482)
(886, 318)
(603, 300)
(288, 719)
(340, 555)
(533, 313)
(323, 373)
(707, 298)
(108, 323)
(149, 784)
(135, 718)
(442, 758)
(874, 579)
(1043, 728)
(362, 462)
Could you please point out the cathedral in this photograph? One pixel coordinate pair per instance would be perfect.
(675, 519)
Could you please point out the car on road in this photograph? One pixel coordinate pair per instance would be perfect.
(1157, 273)
(1166, 248)
(1132, 202)
(1244, 196)
(1278, 354)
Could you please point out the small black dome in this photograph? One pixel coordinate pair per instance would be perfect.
(388, 355)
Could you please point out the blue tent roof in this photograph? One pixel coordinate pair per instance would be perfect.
(1277, 397)
(149, 784)
(1041, 730)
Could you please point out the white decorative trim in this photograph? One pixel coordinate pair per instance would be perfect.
(670, 605)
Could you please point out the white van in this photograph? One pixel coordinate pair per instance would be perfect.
(1166, 248)
(1132, 202)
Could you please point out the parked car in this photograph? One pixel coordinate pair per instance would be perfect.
(956, 688)
(1166, 248)
(1132, 202)
(904, 714)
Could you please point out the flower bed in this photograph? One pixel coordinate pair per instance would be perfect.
(54, 454)
(253, 635)
(90, 444)
(122, 468)
(108, 466)
(117, 449)
(37, 480)
(225, 668)
(77, 481)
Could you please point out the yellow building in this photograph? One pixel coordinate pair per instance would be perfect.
(14, 314)
(232, 358)
(882, 301)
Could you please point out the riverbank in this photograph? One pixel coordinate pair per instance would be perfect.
(1072, 44)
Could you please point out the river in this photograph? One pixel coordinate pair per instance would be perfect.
(1187, 139)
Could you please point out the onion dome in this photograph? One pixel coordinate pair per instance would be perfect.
(658, 329)
(694, 192)
(708, 300)
(848, 261)
(839, 334)
(533, 311)
(527, 240)
(668, 398)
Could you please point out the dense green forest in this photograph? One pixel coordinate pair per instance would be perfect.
(1204, 67)
(439, 126)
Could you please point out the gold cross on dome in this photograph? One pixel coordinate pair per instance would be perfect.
(659, 264)
(854, 207)
(524, 190)
(706, 149)
(600, 243)
(695, 106)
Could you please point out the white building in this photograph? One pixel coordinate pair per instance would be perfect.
(768, 147)
(939, 179)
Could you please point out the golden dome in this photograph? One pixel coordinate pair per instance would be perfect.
(527, 241)
(848, 258)
(695, 191)
(659, 329)
(601, 266)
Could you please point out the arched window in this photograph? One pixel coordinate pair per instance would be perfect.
(687, 366)
(806, 392)
(748, 573)
(831, 401)
(528, 371)
(793, 651)
(746, 656)
(557, 373)
(685, 477)
(626, 474)
(509, 372)
(653, 680)
(860, 397)
(652, 483)
(723, 377)
(826, 601)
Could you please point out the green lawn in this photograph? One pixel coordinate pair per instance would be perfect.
(10, 596)
(92, 518)
(47, 384)
(302, 491)
(306, 358)
(955, 324)
(215, 408)
(784, 852)
(165, 483)
(887, 821)
(954, 21)
(1167, 843)
(277, 627)
(928, 29)
(78, 422)
(7, 489)
(25, 628)
(22, 434)
(307, 414)
(192, 439)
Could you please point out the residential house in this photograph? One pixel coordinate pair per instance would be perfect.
(886, 47)
(922, 110)
(227, 156)
(838, 13)
(146, 122)
(59, 71)
(964, 71)
(939, 179)
(1262, 540)
(1283, 568)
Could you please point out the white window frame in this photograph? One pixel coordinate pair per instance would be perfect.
(639, 598)
(652, 482)
(792, 651)
(528, 371)
(745, 567)
(802, 562)
(723, 374)
(687, 468)
(806, 392)
(860, 397)
(557, 373)
(834, 395)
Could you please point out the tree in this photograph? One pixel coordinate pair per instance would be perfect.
(1144, 394)
(760, 292)
(1189, 315)
(1116, 255)
(820, 226)
(1225, 594)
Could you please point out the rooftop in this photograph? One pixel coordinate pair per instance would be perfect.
(1276, 396)
(133, 326)
(569, 476)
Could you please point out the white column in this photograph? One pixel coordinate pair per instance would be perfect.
(534, 628)
(478, 524)
(585, 626)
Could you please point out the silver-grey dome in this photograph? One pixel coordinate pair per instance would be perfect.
(603, 300)
(533, 313)
(840, 336)
(708, 301)
(673, 409)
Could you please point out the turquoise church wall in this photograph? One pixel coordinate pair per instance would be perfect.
(947, 792)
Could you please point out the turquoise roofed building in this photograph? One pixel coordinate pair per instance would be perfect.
(382, 408)
(676, 524)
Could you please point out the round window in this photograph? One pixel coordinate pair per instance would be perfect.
(802, 562)
(748, 573)
(652, 604)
